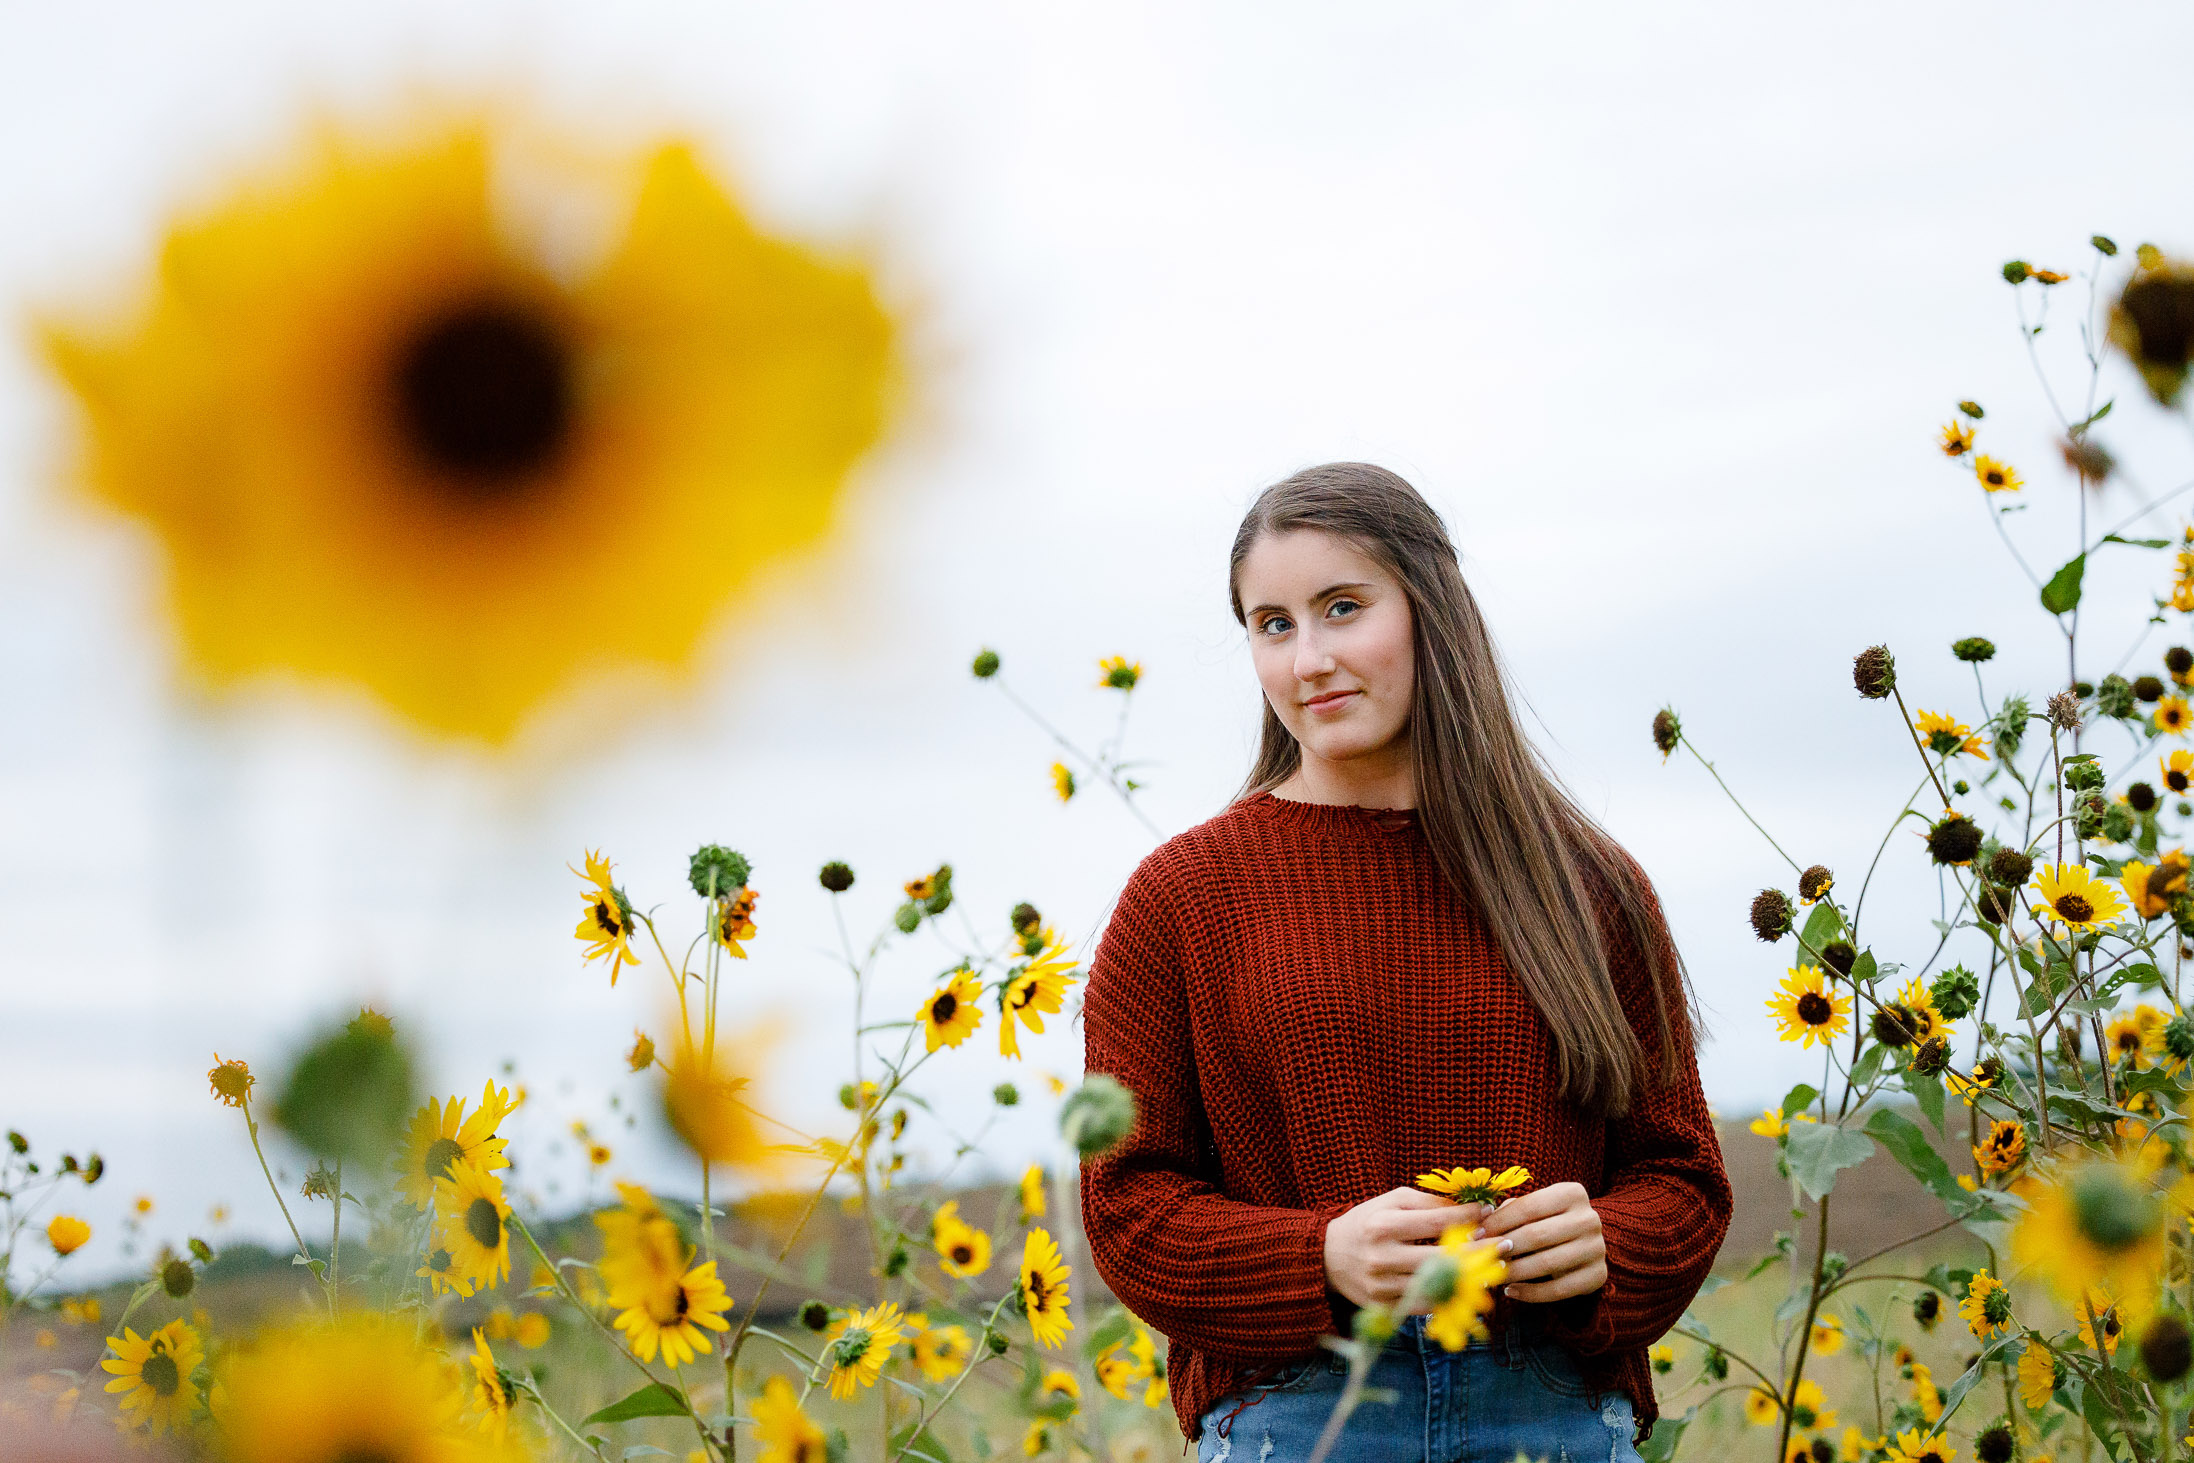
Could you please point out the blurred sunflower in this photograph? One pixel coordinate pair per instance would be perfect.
(1807, 1009)
(939, 1351)
(472, 1223)
(2173, 715)
(2039, 1375)
(153, 1374)
(606, 928)
(2074, 897)
(2096, 1224)
(2178, 771)
(402, 422)
(1996, 477)
(1957, 439)
(783, 1430)
(327, 1393)
(67, 1234)
(494, 1395)
(1043, 1281)
(2150, 888)
(1761, 1408)
(859, 1344)
(441, 1134)
(661, 1303)
(1828, 1334)
(702, 1098)
(1062, 781)
(2132, 1040)
(1916, 1446)
(951, 1014)
(962, 1250)
(1036, 988)
(2003, 1150)
(1479, 1271)
(1032, 1193)
(1057, 1385)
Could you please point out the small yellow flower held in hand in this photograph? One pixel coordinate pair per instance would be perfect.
(67, 1234)
(153, 1374)
(859, 1343)
(1808, 1009)
(1474, 1185)
(1986, 1308)
(1043, 1280)
(1062, 782)
(783, 1429)
(2074, 897)
(951, 1014)
(606, 927)
(1479, 1271)
(1994, 476)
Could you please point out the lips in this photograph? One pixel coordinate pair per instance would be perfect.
(1329, 700)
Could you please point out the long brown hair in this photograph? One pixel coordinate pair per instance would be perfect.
(1507, 836)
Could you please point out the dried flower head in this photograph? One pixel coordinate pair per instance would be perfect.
(836, 877)
(1770, 915)
(1874, 672)
(2064, 711)
(1815, 882)
(1954, 839)
(1839, 956)
(2153, 323)
(231, 1080)
(1667, 731)
(2089, 458)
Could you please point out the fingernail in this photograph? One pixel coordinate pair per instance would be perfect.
(1505, 1246)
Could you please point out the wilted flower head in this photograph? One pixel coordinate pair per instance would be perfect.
(1839, 956)
(1874, 672)
(2064, 711)
(836, 877)
(1954, 839)
(1668, 731)
(1814, 882)
(2087, 457)
(231, 1080)
(2153, 323)
(642, 1055)
(1770, 915)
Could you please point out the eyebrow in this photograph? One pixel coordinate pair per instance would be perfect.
(1327, 593)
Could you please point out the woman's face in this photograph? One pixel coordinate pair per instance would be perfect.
(1329, 630)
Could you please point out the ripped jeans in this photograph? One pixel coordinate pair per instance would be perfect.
(1483, 1404)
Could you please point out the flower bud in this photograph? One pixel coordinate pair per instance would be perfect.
(715, 871)
(1097, 1115)
(815, 1315)
(2165, 1349)
(1373, 1325)
(1668, 731)
(1994, 1444)
(2104, 246)
(1955, 992)
(1972, 409)
(2016, 271)
(201, 1251)
(2114, 697)
(1436, 1277)
(1839, 956)
(177, 1278)
(1715, 1363)
(1770, 915)
(986, 664)
(1973, 648)
(907, 917)
(836, 877)
(1005, 1094)
(1025, 918)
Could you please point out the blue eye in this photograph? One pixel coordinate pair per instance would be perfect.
(1339, 603)
(1270, 621)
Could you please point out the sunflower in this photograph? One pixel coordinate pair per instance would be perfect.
(1946, 736)
(1150, 1365)
(401, 425)
(1986, 1308)
(1662, 1358)
(2130, 1040)
(1772, 1124)
(2039, 1374)
(2074, 897)
(1057, 1385)
(1986, 1075)
(1809, 1406)
(1799, 1450)
(2172, 715)
(734, 921)
(1062, 782)
(660, 1303)
(531, 1331)
(441, 1134)
(702, 1099)
(231, 1080)
(323, 1392)
(472, 1223)
(1479, 1272)
(1474, 1185)
(1038, 1439)
(1915, 1446)
(2096, 1224)
(963, 1251)
(1994, 476)
(1856, 1445)
(1043, 1281)
(2150, 889)
(2003, 1150)
(153, 1374)
(1032, 1193)
(859, 1344)
(493, 1392)
(786, 1433)
(67, 1234)
(1918, 1009)
(1828, 1334)
(951, 1014)
(939, 1351)
(606, 927)
(1808, 1009)
(1035, 989)
(1927, 1393)
(1957, 439)
(1120, 674)
(2107, 1315)
(1761, 1406)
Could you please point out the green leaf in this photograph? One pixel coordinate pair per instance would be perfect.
(2138, 543)
(1660, 1444)
(1909, 1146)
(1863, 968)
(1870, 1064)
(1798, 1099)
(1819, 1150)
(653, 1400)
(1821, 926)
(1928, 1092)
(1972, 1375)
(1116, 1329)
(2062, 592)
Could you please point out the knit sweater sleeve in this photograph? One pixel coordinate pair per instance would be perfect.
(1243, 1283)
(1666, 1201)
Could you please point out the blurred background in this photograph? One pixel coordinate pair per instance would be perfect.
(1662, 309)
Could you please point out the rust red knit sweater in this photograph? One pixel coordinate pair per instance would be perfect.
(1309, 1016)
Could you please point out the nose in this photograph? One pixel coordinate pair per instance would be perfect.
(1312, 659)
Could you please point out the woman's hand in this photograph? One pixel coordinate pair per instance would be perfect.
(1373, 1249)
(1551, 1240)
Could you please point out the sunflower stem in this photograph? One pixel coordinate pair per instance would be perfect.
(586, 1310)
(1805, 1327)
(977, 1355)
(335, 1249)
(251, 1126)
(1735, 801)
(1914, 733)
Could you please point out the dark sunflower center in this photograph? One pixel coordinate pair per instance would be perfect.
(440, 1154)
(605, 918)
(159, 1373)
(963, 1254)
(1814, 1009)
(440, 1260)
(2129, 1039)
(2075, 909)
(1995, 477)
(484, 1223)
(484, 393)
(2176, 779)
(1038, 1295)
(2162, 311)
(941, 1009)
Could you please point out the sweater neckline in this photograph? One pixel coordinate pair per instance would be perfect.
(1330, 817)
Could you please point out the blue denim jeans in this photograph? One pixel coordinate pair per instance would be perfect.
(1483, 1404)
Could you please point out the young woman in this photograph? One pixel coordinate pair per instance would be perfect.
(1401, 948)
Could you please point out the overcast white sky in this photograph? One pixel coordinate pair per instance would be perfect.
(1661, 305)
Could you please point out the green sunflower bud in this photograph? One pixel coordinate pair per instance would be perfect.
(2114, 697)
(986, 664)
(1097, 1115)
(177, 1278)
(1973, 648)
(2016, 271)
(908, 917)
(715, 870)
(2104, 246)
(1955, 992)
(1005, 1094)
(836, 877)
(1972, 409)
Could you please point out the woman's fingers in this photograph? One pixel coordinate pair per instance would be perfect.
(1544, 1234)
(1562, 1259)
(1561, 1287)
